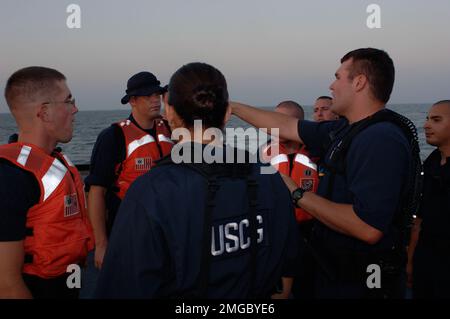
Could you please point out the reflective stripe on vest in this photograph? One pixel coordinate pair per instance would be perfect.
(53, 177)
(163, 138)
(61, 233)
(142, 150)
(23, 156)
(68, 160)
(281, 158)
(146, 139)
(303, 172)
(305, 160)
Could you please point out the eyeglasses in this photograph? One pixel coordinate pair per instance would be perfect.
(71, 102)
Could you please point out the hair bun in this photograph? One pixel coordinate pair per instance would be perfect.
(198, 91)
(205, 97)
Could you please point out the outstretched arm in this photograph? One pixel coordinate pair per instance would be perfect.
(286, 125)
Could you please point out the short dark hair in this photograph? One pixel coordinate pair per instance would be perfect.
(324, 97)
(198, 91)
(377, 66)
(294, 105)
(442, 102)
(29, 82)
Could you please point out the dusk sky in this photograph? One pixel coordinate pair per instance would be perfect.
(268, 50)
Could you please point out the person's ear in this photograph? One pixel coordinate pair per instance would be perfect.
(360, 82)
(43, 112)
(132, 101)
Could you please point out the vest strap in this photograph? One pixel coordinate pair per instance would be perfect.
(29, 232)
(28, 259)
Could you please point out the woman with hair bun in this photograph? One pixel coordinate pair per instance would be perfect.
(189, 229)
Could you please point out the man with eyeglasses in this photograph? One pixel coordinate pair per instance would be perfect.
(43, 218)
(123, 152)
(429, 249)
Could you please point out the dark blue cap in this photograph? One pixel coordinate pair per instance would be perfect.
(142, 84)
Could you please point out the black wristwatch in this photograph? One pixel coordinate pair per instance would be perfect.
(296, 195)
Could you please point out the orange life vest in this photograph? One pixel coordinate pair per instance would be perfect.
(58, 229)
(303, 172)
(142, 150)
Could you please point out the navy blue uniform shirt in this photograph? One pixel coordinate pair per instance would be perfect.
(155, 246)
(435, 205)
(431, 262)
(377, 165)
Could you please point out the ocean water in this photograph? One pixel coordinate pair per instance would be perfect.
(89, 124)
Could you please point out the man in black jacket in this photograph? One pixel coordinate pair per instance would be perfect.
(429, 261)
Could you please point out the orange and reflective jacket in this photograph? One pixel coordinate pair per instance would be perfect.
(142, 150)
(58, 230)
(302, 170)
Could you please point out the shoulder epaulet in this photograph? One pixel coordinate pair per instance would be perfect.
(123, 123)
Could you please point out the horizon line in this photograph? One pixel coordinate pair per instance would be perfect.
(258, 106)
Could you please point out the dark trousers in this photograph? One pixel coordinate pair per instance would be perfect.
(344, 274)
(431, 278)
(392, 287)
(303, 286)
(54, 288)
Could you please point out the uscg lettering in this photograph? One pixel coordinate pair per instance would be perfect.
(233, 236)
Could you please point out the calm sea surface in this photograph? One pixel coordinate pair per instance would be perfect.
(90, 123)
